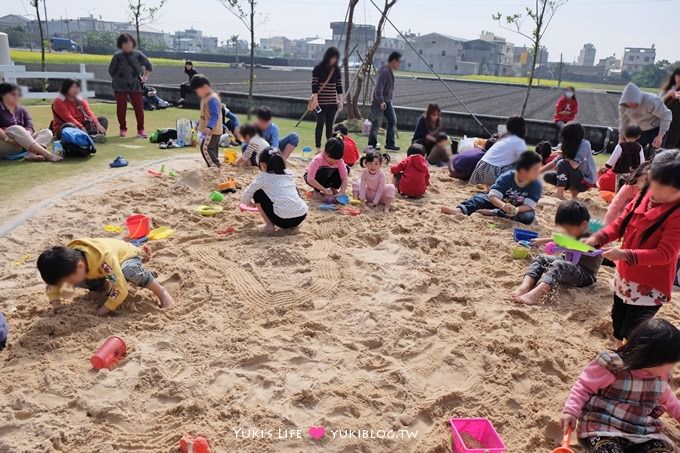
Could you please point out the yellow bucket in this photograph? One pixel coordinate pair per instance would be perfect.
(230, 156)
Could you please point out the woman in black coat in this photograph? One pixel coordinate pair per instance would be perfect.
(327, 97)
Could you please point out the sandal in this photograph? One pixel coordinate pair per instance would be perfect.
(118, 162)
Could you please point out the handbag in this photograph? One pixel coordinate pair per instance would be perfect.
(313, 102)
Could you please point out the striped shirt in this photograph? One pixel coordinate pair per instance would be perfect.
(330, 92)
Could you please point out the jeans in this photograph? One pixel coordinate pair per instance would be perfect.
(325, 118)
(646, 140)
(291, 139)
(378, 116)
(232, 122)
(137, 101)
(481, 201)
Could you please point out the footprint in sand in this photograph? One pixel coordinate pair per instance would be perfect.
(172, 283)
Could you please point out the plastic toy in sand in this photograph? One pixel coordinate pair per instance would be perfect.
(109, 353)
(119, 162)
(307, 153)
(228, 186)
(573, 249)
(113, 228)
(475, 435)
(245, 208)
(216, 196)
(138, 226)
(208, 211)
(595, 225)
(521, 251)
(191, 444)
(524, 235)
(328, 207)
(140, 241)
(230, 156)
(564, 445)
(226, 231)
(155, 173)
(355, 201)
(160, 233)
(342, 199)
(350, 211)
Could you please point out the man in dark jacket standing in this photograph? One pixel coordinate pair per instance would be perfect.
(382, 103)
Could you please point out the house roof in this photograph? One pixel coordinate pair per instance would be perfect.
(14, 19)
(439, 36)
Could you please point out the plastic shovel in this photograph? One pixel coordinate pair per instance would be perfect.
(564, 446)
(245, 208)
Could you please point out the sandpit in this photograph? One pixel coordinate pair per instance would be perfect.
(377, 323)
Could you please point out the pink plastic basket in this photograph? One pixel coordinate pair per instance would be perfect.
(481, 430)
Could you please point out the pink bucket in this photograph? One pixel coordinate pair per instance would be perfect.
(138, 226)
(109, 353)
(480, 430)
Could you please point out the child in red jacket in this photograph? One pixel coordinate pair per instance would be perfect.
(351, 154)
(412, 175)
(646, 262)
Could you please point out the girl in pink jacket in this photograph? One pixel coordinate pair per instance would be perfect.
(620, 396)
(371, 188)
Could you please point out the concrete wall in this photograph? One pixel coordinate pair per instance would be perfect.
(455, 123)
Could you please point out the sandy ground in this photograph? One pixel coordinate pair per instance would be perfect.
(376, 322)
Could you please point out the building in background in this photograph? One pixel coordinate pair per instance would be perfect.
(363, 37)
(279, 45)
(387, 46)
(443, 53)
(586, 56)
(493, 54)
(610, 64)
(192, 40)
(636, 58)
(524, 55)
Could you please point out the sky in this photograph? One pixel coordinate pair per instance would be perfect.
(610, 25)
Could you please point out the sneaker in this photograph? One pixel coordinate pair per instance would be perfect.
(123, 133)
(141, 134)
(99, 138)
(392, 148)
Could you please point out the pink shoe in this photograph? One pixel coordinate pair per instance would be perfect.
(141, 134)
(123, 133)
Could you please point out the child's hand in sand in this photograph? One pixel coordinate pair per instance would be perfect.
(371, 205)
(508, 208)
(540, 241)
(57, 306)
(327, 191)
(103, 311)
(568, 423)
(591, 241)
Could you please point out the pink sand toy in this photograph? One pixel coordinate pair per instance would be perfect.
(245, 208)
(564, 445)
(475, 435)
(191, 444)
(572, 248)
(109, 353)
(138, 226)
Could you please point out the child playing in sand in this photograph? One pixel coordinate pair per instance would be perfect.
(210, 120)
(501, 157)
(620, 396)
(439, 154)
(463, 164)
(575, 168)
(371, 188)
(327, 172)
(274, 193)
(544, 149)
(351, 153)
(514, 194)
(646, 261)
(100, 264)
(546, 272)
(627, 192)
(412, 175)
(253, 146)
(269, 131)
(627, 156)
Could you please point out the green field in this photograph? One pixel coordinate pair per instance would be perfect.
(27, 56)
(17, 176)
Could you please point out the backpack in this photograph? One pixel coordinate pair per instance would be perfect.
(163, 135)
(76, 143)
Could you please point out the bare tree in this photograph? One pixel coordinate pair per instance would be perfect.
(247, 17)
(233, 39)
(364, 70)
(36, 4)
(142, 14)
(541, 15)
(345, 59)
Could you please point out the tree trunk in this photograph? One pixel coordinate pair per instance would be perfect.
(364, 71)
(351, 109)
(531, 77)
(252, 57)
(139, 40)
(236, 52)
(42, 36)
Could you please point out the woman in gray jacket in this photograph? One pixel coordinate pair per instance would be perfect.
(129, 69)
(647, 111)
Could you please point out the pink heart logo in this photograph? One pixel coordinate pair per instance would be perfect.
(316, 432)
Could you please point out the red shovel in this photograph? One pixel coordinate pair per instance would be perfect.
(564, 446)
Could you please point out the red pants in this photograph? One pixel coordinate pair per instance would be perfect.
(137, 100)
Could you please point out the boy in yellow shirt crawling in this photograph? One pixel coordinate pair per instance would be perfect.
(105, 265)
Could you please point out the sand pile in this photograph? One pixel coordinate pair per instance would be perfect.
(376, 322)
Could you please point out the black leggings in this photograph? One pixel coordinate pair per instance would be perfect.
(267, 206)
(327, 118)
(619, 445)
(328, 177)
(626, 317)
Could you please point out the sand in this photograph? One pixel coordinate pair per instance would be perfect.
(376, 322)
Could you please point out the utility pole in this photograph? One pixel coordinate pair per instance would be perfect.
(559, 74)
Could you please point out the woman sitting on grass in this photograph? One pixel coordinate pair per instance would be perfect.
(16, 129)
(71, 110)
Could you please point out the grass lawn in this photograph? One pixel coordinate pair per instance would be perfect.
(27, 56)
(17, 176)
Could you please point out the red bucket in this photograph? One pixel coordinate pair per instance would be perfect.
(109, 353)
(138, 226)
